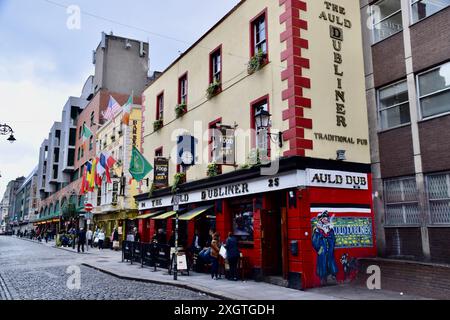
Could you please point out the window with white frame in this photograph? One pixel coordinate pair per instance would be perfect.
(438, 190)
(434, 91)
(401, 201)
(393, 105)
(421, 9)
(386, 18)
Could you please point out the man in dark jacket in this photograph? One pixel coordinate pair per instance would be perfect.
(232, 255)
(81, 239)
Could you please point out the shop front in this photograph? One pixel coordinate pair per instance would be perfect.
(305, 225)
(123, 220)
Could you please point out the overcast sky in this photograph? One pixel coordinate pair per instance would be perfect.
(42, 62)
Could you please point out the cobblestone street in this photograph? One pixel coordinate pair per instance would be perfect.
(33, 271)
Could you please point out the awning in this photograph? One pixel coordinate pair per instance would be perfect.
(194, 213)
(149, 215)
(165, 215)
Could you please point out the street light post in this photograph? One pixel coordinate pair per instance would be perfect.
(5, 129)
(176, 207)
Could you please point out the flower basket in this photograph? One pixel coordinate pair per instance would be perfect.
(180, 110)
(257, 62)
(213, 170)
(179, 178)
(158, 124)
(213, 89)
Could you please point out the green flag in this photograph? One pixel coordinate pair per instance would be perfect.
(139, 166)
(86, 133)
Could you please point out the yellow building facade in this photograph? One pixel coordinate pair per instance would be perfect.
(114, 203)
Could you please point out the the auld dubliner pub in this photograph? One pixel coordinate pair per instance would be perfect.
(261, 128)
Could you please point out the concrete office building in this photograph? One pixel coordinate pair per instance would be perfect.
(408, 94)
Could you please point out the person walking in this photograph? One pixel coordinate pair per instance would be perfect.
(215, 248)
(137, 235)
(89, 236)
(101, 239)
(232, 255)
(73, 233)
(115, 238)
(81, 239)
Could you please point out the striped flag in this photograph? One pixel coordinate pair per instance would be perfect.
(127, 111)
(113, 108)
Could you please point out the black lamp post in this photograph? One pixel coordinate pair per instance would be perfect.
(263, 123)
(5, 129)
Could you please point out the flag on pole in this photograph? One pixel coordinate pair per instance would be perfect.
(104, 163)
(98, 173)
(93, 174)
(86, 133)
(127, 111)
(83, 188)
(112, 110)
(139, 166)
(89, 176)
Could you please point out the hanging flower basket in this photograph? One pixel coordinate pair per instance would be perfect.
(213, 170)
(179, 178)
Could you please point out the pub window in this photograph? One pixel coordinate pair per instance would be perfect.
(183, 90)
(214, 143)
(92, 118)
(216, 66)
(243, 221)
(393, 105)
(421, 9)
(438, 190)
(99, 196)
(261, 139)
(386, 19)
(434, 91)
(160, 107)
(91, 143)
(259, 34)
(402, 201)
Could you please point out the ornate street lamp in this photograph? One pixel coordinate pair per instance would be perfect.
(263, 123)
(5, 129)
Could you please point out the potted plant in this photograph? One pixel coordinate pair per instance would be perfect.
(257, 62)
(158, 124)
(213, 89)
(179, 178)
(180, 109)
(213, 170)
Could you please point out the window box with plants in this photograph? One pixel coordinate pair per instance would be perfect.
(158, 124)
(178, 179)
(257, 62)
(213, 170)
(180, 109)
(213, 89)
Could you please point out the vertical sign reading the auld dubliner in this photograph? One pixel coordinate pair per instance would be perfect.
(335, 15)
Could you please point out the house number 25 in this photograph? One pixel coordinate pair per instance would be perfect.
(274, 182)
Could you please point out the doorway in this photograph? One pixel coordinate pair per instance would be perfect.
(274, 236)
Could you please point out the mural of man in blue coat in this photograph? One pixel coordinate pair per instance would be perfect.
(323, 241)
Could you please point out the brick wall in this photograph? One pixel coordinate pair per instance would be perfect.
(426, 280)
(404, 242)
(435, 152)
(389, 60)
(429, 40)
(396, 152)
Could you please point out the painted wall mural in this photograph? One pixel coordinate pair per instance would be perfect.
(331, 233)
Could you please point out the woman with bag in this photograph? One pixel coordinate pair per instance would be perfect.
(215, 249)
(115, 238)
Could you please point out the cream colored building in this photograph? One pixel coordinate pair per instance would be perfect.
(114, 203)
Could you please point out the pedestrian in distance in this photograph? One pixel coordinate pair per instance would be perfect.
(101, 239)
(137, 235)
(89, 236)
(232, 255)
(81, 239)
(115, 238)
(215, 248)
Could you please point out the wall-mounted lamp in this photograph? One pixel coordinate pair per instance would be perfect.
(340, 155)
(5, 129)
(263, 123)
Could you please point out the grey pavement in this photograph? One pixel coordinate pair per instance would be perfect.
(110, 263)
